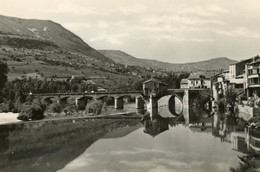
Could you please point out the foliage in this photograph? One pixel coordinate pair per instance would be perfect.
(174, 80)
(55, 108)
(69, 109)
(3, 75)
(250, 163)
(231, 96)
(31, 111)
(221, 105)
(94, 107)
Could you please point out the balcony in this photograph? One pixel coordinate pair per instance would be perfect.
(253, 75)
(253, 84)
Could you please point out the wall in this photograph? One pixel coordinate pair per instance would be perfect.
(196, 83)
(184, 85)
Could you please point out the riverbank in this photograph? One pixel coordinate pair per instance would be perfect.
(128, 112)
(6, 118)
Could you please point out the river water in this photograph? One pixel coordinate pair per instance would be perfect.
(108, 145)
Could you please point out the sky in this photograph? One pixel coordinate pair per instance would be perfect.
(176, 31)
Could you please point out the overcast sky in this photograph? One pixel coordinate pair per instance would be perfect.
(168, 30)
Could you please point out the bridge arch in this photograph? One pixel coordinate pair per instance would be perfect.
(81, 101)
(170, 106)
(47, 100)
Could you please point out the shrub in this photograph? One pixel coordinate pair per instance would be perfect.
(33, 112)
(69, 109)
(221, 105)
(55, 108)
(230, 96)
(94, 107)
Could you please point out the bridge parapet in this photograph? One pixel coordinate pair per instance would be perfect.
(88, 94)
(81, 98)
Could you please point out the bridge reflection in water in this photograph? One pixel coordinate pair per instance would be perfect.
(50, 145)
(125, 144)
(229, 128)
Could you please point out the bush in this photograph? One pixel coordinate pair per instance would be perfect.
(231, 96)
(221, 105)
(33, 112)
(69, 110)
(55, 108)
(94, 107)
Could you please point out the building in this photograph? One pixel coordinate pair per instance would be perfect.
(252, 79)
(153, 87)
(237, 72)
(184, 84)
(220, 83)
(200, 80)
(238, 142)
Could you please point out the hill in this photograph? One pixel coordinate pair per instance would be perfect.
(34, 48)
(126, 59)
(31, 33)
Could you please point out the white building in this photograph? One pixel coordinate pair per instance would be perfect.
(184, 84)
(200, 80)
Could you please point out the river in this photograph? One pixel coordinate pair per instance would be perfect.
(108, 145)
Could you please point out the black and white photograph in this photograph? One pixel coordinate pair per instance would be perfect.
(129, 86)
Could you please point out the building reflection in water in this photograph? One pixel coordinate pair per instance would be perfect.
(227, 127)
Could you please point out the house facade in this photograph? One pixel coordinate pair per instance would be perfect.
(153, 87)
(252, 81)
(221, 83)
(184, 84)
(199, 80)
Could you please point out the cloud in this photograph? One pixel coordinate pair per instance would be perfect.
(102, 24)
(179, 39)
(216, 8)
(79, 163)
(111, 38)
(133, 9)
(238, 32)
(136, 151)
(76, 26)
(77, 9)
(161, 169)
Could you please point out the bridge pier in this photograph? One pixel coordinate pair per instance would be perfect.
(62, 101)
(186, 106)
(139, 104)
(215, 92)
(152, 107)
(81, 103)
(119, 103)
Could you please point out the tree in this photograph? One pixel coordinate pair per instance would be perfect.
(3, 74)
(202, 78)
(231, 96)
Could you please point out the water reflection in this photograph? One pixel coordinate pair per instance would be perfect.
(225, 125)
(49, 146)
(208, 142)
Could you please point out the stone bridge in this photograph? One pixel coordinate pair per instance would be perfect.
(81, 99)
(163, 104)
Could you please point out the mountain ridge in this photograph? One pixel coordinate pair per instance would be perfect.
(46, 30)
(212, 64)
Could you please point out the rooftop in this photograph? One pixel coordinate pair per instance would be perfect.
(256, 61)
(184, 81)
(197, 75)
